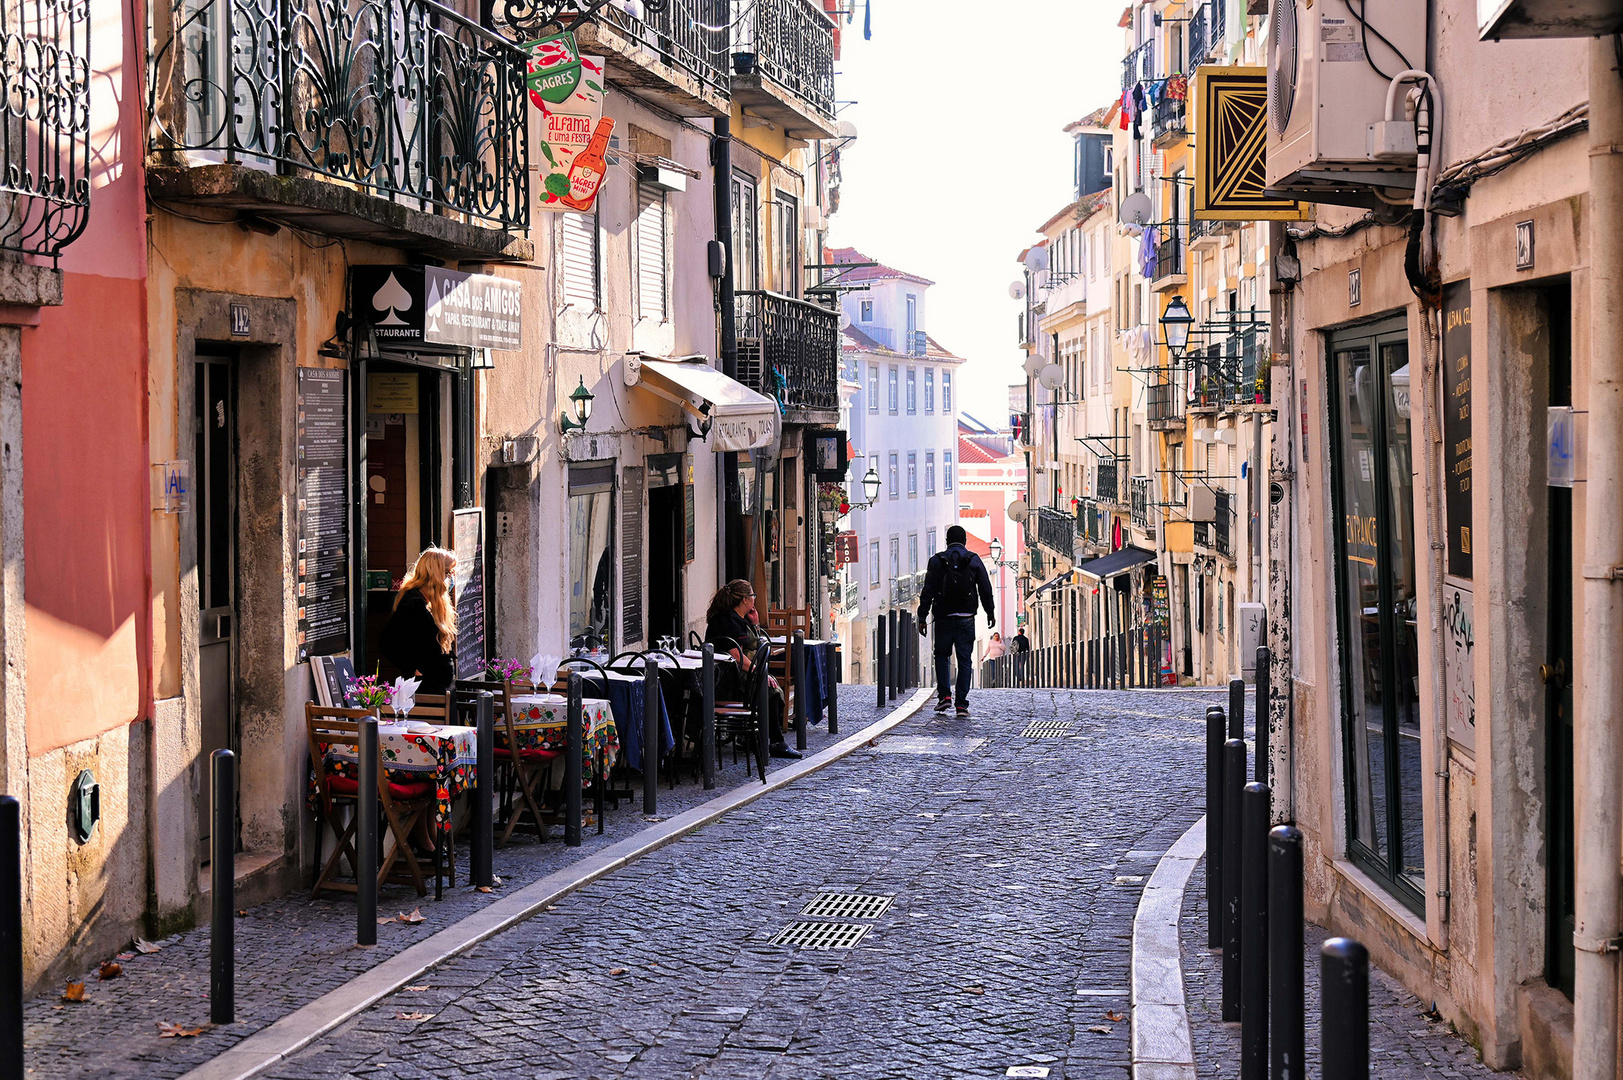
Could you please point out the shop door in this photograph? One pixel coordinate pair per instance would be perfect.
(665, 548)
(214, 483)
(1556, 672)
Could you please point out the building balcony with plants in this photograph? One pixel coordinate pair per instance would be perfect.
(783, 65)
(789, 350)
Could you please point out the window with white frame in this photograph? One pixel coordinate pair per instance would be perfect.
(929, 541)
(894, 376)
(929, 390)
(895, 557)
(873, 388)
(788, 240)
(912, 473)
(912, 391)
(946, 391)
(929, 472)
(653, 301)
(580, 259)
(865, 310)
(746, 238)
(873, 564)
(895, 477)
(912, 553)
(946, 471)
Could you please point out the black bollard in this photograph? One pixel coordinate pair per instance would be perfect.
(879, 665)
(223, 882)
(1286, 1004)
(1237, 709)
(1215, 737)
(1254, 932)
(838, 677)
(797, 668)
(366, 834)
(652, 735)
(1233, 783)
(11, 937)
(1344, 1010)
(898, 649)
(707, 720)
(1262, 714)
(763, 711)
(481, 859)
(575, 737)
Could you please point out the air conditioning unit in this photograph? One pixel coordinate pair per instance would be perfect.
(1327, 136)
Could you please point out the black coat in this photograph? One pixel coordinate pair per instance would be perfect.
(411, 641)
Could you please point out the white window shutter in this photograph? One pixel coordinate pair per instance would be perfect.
(651, 253)
(578, 259)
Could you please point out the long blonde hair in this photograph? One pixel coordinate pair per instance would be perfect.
(430, 576)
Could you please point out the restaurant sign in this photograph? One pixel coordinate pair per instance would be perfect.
(568, 89)
(435, 306)
(846, 547)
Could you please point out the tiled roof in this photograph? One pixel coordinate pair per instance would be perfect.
(869, 273)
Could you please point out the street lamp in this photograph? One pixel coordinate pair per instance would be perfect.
(997, 551)
(1175, 323)
(870, 488)
(582, 399)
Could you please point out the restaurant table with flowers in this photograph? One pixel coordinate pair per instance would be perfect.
(541, 722)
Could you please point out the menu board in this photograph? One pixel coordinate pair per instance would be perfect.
(1457, 424)
(322, 572)
(689, 512)
(468, 542)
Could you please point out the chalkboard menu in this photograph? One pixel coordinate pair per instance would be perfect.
(1457, 424)
(322, 577)
(632, 480)
(468, 542)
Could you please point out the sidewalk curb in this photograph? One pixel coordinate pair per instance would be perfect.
(1161, 1046)
(314, 1019)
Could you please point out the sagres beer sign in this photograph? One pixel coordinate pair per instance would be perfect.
(1231, 145)
(568, 89)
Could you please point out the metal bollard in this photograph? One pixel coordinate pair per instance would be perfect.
(1286, 1003)
(1233, 783)
(1215, 737)
(652, 735)
(838, 676)
(1263, 763)
(1344, 1010)
(763, 711)
(1254, 815)
(879, 665)
(366, 834)
(1237, 709)
(898, 649)
(707, 722)
(223, 883)
(797, 667)
(575, 733)
(11, 937)
(481, 860)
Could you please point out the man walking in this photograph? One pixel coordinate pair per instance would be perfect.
(954, 580)
(1022, 645)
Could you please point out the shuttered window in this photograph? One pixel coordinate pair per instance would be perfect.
(580, 257)
(651, 254)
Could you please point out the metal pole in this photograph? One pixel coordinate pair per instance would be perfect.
(879, 657)
(1262, 762)
(1215, 737)
(797, 665)
(481, 859)
(707, 730)
(11, 937)
(652, 732)
(575, 735)
(1233, 783)
(1286, 1002)
(366, 834)
(1237, 709)
(763, 712)
(896, 653)
(223, 880)
(1344, 1010)
(838, 675)
(1254, 932)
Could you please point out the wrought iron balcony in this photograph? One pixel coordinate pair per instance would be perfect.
(1139, 501)
(1231, 374)
(1138, 66)
(789, 350)
(1169, 260)
(1197, 37)
(783, 65)
(1203, 534)
(1169, 119)
(1220, 526)
(1164, 401)
(675, 53)
(1056, 531)
(45, 153)
(405, 100)
(1107, 485)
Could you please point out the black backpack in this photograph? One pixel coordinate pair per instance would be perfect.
(958, 585)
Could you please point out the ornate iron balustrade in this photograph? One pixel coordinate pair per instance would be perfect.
(1169, 256)
(789, 349)
(1107, 484)
(690, 34)
(45, 147)
(1231, 373)
(1220, 526)
(1169, 118)
(793, 45)
(1056, 530)
(1138, 488)
(405, 99)
(1138, 66)
(1217, 25)
(1196, 37)
(1163, 401)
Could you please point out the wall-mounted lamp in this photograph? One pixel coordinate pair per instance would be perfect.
(582, 399)
(870, 489)
(1176, 321)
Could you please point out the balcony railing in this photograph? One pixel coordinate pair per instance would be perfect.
(790, 42)
(789, 349)
(1056, 530)
(1169, 118)
(1197, 37)
(1169, 260)
(45, 148)
(1203, 534)
(1139, 65)
(689, 35)
(405, 99)
(1163, 402)
(1231, 373)
(1220, 526)
(1139, 502)
(1108, 481)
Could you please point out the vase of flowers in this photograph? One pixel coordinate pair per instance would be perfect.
(507, 670)
(368, 693)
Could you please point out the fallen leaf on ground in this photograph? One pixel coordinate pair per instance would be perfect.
(74, 992)
(171, 1031)
(416, 989)
(496, 881)
(385, 919)
(242, 913)
(110, 969)
(1115, 1017)
(485, 888)
(126, 956)
(145, 947)
(975, 989)
(416, 916)
(1100, 1029)
(617, 971)
(413, 1016)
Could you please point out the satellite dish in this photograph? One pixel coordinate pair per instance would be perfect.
(1052, 376)
(1017, 290)
(1135, 209)
(1017, 510)
(846, 130)
(845, 320)
(1037, 258)
(1034, 364)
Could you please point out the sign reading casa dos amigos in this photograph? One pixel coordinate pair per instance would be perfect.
(437, 306)
(568, 89)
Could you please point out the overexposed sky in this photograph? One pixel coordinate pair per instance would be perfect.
(960, 155)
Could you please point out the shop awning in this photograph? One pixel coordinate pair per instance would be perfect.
(1116, 563)
(1057, 580)
(738, 418)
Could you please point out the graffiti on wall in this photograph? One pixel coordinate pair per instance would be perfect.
(1459, 648)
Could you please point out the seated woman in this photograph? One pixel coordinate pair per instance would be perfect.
(420, 636)
(730, 629)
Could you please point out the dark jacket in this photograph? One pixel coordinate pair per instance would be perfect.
(1021, 643)
(936, 586)
(411, 641)
(731, 631)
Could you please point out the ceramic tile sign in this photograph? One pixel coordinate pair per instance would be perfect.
(1459, 663)
(568, 89)
(1457, 424)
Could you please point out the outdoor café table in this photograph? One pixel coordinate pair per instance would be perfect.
(624, 694)
(412, 750)
(819, 678)
(541, 722)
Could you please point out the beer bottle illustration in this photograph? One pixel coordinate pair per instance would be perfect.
(586, 172)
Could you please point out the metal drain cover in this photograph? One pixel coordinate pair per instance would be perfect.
(833, 905)
(820, 935)
(929, 744)
(1048, 729)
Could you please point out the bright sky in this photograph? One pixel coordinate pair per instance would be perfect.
(960, 154)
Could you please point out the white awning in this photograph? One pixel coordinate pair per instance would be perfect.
(740, 418)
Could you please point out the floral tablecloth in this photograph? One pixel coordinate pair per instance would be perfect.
(540, 722)
(446, 754)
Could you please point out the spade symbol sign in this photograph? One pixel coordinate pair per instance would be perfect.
(392, 298)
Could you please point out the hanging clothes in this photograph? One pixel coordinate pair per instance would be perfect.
(867, 21)
(1124, 108)
(1178, 88)
(1139, 105)
(1146, 254)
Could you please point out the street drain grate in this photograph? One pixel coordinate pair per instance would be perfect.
(1048, 729)
(820, 935)
(833, 905)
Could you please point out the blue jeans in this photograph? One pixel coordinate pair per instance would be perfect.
(954, 633)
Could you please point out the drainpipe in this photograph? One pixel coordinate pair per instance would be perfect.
(1597, 749)
(721, 169)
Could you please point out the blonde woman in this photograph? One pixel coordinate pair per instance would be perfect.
(420, 636)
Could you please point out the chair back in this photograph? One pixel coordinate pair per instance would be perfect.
(757, 672)
(326, 728)
(636, 657)
(434, 709)
(785, 621)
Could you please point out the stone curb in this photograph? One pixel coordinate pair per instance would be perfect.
(304, 1025)
(1161, 1047)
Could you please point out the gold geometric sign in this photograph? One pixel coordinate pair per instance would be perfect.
(1230, 106)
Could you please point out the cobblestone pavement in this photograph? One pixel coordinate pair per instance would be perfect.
(1403, 1042)
(1015, 862)
(292, 950)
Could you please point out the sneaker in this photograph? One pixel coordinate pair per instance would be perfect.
(943, 705)
(963, 712)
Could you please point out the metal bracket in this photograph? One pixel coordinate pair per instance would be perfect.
(1599, 946)
(1603, 573)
